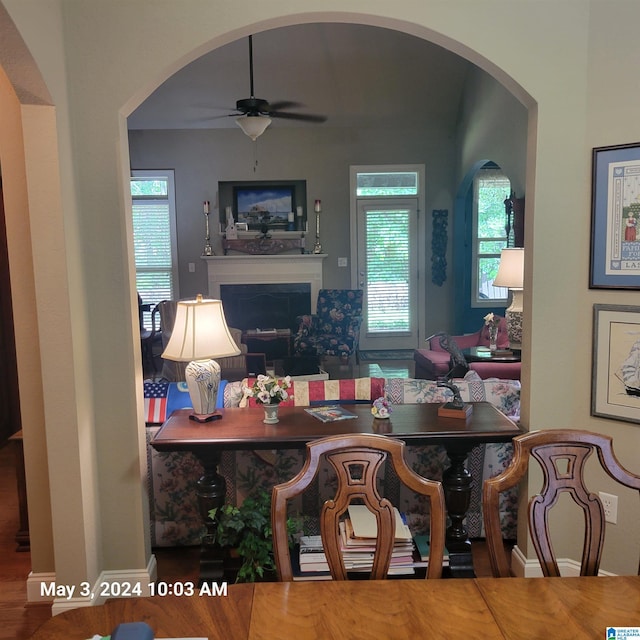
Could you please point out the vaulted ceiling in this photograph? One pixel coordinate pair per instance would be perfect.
(355, 75)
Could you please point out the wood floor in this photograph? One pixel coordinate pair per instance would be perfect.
(19, 620)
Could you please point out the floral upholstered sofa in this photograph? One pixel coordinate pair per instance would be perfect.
(175, 520)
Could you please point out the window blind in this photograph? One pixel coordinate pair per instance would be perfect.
(387, 244)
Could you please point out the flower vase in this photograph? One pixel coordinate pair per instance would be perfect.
(270, 413)
(493, 338)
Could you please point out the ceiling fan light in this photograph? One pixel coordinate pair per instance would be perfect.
(253, 126)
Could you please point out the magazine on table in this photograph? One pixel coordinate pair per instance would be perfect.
(330, 413)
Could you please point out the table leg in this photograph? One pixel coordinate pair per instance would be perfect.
(456, 482)
(211, 490)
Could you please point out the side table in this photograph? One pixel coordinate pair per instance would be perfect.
(484, 354)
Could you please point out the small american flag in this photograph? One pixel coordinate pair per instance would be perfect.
(155, 402)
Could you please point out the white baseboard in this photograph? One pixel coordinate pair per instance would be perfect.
(110, 584)
(35, 582)
(523, 567)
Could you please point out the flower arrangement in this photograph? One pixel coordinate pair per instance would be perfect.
(268, 390)
(381, 408)
(491, 321)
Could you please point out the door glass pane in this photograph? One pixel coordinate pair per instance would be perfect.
(387, 257)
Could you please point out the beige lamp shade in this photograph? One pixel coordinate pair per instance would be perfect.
(200, 332)
(253, 126)
(511, 270)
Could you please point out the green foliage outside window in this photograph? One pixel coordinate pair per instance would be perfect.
(493, 189)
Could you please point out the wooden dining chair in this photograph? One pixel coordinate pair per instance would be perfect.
(562, 454)
(357, 460)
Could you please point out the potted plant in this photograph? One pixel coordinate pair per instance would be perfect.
(246, 532)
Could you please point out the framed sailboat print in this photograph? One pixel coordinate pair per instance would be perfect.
(615, 391)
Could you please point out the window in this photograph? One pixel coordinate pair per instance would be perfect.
(387, 183)
(491, 189)
(154, 224)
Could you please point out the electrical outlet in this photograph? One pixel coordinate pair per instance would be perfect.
(342, 262)
(610, 504)
(192, 267)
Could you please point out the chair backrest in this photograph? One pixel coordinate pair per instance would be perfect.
(339, 306)
(562, 454)
(357, 460)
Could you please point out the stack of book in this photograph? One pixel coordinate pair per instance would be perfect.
(357, 545)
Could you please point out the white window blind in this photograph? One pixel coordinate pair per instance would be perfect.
(153, 208)
(388, 263)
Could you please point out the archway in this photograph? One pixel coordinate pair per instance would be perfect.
(412, 29)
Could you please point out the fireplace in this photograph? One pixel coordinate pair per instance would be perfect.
(265, 306)
(264, 272)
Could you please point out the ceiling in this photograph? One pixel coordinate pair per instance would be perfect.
(356, 75)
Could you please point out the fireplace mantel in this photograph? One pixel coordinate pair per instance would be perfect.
(268, 269)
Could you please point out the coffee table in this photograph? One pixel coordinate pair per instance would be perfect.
(415, 424)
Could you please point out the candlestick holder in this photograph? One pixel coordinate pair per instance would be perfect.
(207, 251)
(317, 247)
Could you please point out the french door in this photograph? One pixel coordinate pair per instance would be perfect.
(387, 271)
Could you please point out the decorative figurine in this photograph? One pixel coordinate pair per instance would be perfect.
(455, 408)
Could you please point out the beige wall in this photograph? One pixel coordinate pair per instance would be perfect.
(12, 166)
(557, 62)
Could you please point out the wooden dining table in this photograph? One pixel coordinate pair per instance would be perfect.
(511, 608)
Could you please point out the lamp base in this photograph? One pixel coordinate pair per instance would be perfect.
(513, 316)
(203, 380)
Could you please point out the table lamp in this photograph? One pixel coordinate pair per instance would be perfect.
(511, 275)
(200, 333)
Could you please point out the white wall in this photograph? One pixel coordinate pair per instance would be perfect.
(558, 63)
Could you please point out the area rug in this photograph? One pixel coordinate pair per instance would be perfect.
(397, 354)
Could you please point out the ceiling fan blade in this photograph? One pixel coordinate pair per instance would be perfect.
(306, 117)
(284, 104)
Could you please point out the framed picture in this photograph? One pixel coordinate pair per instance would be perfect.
(615, 223)
(615, 391)
(259, 205)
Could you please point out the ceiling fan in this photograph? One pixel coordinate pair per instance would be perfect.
(256, 113)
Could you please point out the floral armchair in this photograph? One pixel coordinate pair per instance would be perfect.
(335, 328)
